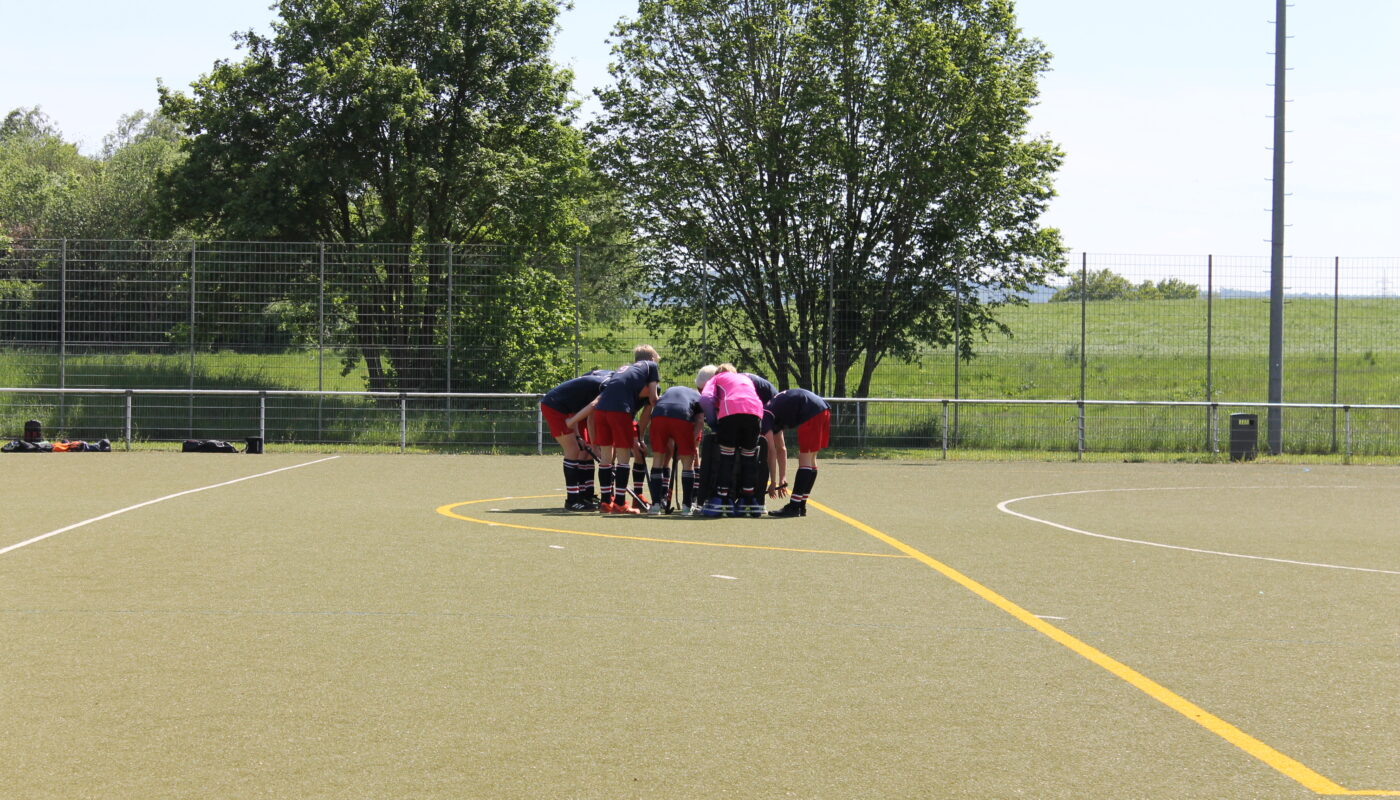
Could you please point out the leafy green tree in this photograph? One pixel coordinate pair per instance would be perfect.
(1176, 289)
(37, 172)
(1105, 284)
(406, 121)
(830, 182)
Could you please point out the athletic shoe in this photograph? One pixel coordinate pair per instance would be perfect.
(790, 510)
(753, 509)
(656, 508)
(689, 511)
(623, 508)
(605, 508)
(577, 505)
(714, 507)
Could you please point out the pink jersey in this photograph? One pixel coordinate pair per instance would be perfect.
(733, 393)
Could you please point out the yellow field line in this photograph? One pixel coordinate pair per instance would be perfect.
(1290, 767)
(448, 511)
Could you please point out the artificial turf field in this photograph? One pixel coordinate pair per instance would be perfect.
(357, 627)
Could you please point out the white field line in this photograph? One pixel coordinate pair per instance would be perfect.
(111, 514)
(1002, 506)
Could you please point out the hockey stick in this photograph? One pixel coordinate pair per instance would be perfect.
(594, 453)
(675, 477)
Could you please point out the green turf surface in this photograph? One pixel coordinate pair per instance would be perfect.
(325, 632)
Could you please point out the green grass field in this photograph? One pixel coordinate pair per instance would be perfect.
(431, 627)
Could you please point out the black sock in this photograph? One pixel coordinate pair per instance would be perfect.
(639, 477)
(748, 471)
(658, 484)
(620, 484)
(571, 478)
(605, 483)
(690, 484)
(724, 474)
(802, 484)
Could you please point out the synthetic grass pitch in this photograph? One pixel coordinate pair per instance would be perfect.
(345, 629)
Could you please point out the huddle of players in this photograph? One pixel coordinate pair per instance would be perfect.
(594, 418)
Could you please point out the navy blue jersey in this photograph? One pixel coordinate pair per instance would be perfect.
(621, 390)
(763, 387)
(790, 408)
(679, 402)
(570, 397)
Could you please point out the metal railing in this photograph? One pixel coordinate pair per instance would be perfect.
(511, 422)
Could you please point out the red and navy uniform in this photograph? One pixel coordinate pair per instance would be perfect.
(557, 405)
(810, 415)
(618, 403)
(569, 398)
(673, 421)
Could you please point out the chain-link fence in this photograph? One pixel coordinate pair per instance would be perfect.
(448, 319)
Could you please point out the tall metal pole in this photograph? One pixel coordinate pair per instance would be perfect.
(578, 307)
(1276, 239)
(194, 256)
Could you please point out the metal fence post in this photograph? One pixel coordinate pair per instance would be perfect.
(262, 416)
(1210, 349)
(945, 430)
(578, 308)
(194, 249)
(403, 423)
(539, 431)
(1336, 322)
(957, 355)
(830, 366)
(320, 341)
(1083, 324)
(1348, 414)
(1081, 430)
(63, 333)
(127, 431)
(705, 308)
(1214, 414)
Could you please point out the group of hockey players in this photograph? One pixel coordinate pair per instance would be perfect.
(724, 438)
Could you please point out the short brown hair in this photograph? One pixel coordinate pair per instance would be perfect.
(645, 352)
(727, 367)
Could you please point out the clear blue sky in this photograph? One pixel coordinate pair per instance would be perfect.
(1162, 107)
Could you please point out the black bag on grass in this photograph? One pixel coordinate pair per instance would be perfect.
(207, 446)
(21, 446)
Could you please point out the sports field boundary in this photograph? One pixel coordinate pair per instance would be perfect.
(1284, 764)
(41, 537)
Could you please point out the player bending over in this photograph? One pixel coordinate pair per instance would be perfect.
(676, 422)
(629, 389)
(811, 416)
(558, 404)
(738, 414)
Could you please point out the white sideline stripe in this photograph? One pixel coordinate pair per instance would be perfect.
(1002, 506)
(111, 514)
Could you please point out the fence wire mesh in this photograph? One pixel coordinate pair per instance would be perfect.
(322, 317)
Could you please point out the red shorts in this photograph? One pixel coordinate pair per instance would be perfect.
(665, 430)
(815, 433)
(615, 429)
(555, 418)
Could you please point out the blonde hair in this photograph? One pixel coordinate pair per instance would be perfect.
(703, 376)
(727, 367)
(645, 352)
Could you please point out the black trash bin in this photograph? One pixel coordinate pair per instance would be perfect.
(1244, 437)
(255, 445)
